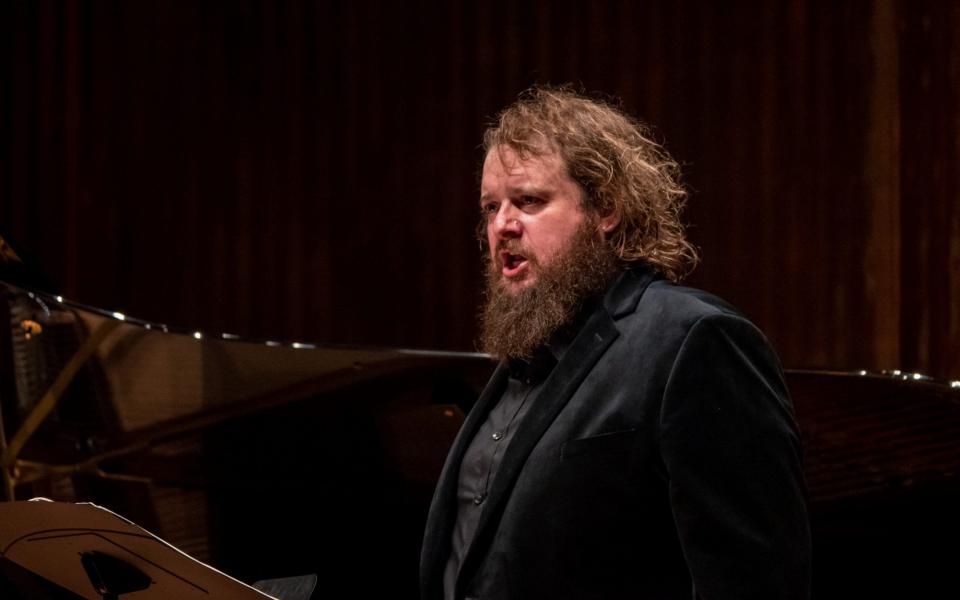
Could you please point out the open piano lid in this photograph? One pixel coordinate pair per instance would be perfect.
(262, 458)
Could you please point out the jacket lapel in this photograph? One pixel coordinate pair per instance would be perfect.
(597, 334)
(589, 345)
(439, 528)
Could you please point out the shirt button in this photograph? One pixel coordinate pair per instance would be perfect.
(478, 499)
(497, 436)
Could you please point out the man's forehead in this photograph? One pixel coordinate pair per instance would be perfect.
(514, 160)
(521, 170)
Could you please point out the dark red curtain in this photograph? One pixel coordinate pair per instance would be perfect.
(306, 170)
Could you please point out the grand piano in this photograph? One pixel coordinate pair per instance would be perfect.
(268, 458)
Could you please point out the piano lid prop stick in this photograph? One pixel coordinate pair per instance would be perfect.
(49, 401)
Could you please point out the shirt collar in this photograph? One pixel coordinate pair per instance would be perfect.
(537, 368)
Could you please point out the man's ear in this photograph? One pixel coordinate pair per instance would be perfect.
(608, 223)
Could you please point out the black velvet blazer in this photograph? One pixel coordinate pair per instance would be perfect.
(661, 460)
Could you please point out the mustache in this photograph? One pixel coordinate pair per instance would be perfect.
(495, 261)
(509, 245)
(513, 246)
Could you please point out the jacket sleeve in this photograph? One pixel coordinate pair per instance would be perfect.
(731, 450)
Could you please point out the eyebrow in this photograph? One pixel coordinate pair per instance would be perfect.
(520, 191)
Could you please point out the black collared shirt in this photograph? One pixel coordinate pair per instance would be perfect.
(486, 451)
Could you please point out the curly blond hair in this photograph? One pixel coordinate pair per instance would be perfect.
(617, 164)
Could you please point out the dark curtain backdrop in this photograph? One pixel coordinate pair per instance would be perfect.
(306, 170)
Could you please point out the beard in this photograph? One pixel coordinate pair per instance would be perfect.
(517, 324)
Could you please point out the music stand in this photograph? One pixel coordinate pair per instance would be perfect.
(64, 551)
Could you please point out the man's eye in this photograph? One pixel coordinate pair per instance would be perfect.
(528, 200)
(489, 209)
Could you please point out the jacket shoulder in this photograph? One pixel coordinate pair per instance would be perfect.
(668, 302)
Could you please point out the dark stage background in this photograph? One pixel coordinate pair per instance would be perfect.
(306, 170)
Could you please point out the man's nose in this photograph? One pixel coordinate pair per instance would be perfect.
(505, 223)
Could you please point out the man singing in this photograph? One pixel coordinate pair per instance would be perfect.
(637, 438)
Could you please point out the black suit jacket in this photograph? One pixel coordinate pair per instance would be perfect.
(661, 460)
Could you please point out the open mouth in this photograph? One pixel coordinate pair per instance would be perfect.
(513, 264)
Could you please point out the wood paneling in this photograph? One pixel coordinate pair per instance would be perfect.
(306, 170)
